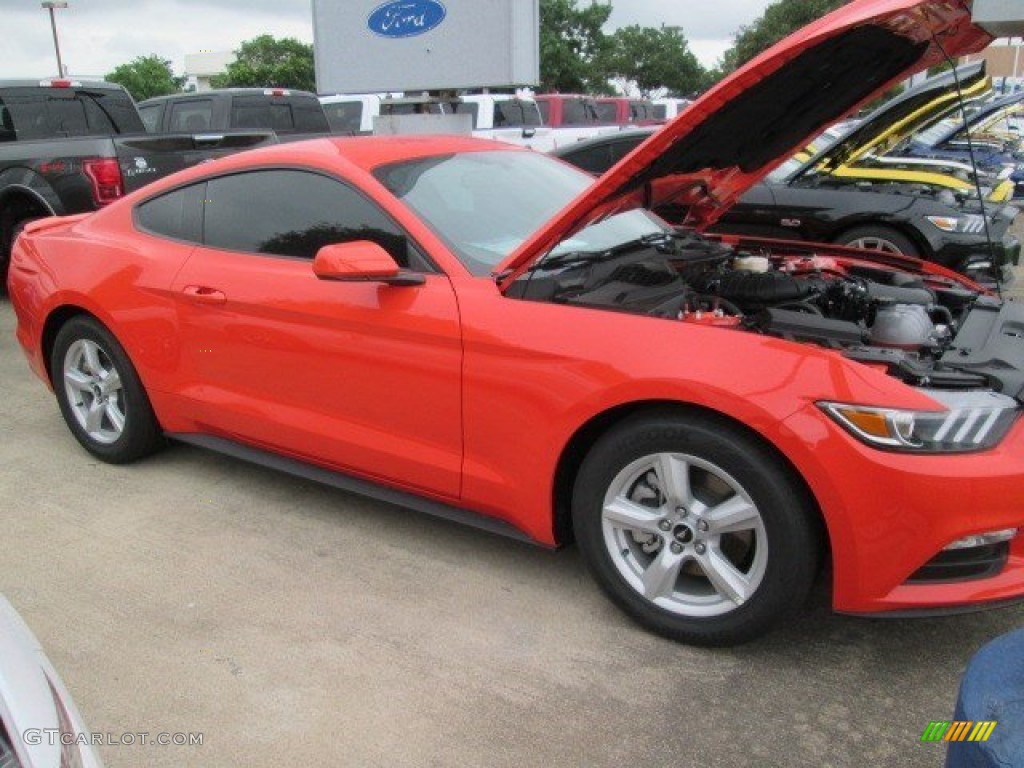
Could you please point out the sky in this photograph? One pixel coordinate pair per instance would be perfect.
(97, 35)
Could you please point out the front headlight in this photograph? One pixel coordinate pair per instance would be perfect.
(970, 223)
(972, 421)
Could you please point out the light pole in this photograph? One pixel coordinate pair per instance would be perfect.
(53, 25)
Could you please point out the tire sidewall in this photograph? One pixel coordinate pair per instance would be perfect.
(792, 550)
(141, 434)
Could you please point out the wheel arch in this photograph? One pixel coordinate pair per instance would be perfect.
(18, 202)
(575, 451)
(56, 320)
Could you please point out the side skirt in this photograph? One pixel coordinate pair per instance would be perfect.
(353, 484)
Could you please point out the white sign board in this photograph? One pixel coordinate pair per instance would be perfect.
(366, 46)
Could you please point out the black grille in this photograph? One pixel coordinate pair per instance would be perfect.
(963, 564)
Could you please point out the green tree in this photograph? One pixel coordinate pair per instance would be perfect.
(147, 76)
(779, 20)
(266, 62)
(573, 46)
(654, 59)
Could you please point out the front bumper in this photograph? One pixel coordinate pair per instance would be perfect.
(889, 515)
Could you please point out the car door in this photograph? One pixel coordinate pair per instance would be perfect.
(759, 213)
(359, 376)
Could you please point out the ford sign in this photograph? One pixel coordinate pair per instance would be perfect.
(406, 18)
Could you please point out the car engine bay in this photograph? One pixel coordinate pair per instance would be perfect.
(925, 329)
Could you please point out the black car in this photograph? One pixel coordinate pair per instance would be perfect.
(934, 226)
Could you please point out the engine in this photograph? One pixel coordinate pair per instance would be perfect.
(905, 322)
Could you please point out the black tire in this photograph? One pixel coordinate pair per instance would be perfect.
(111, 418)
(12, 222)
(776, 558)
(886, 239)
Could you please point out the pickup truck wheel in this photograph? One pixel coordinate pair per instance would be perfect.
(693, 529)
(100, 394)
(879, 238)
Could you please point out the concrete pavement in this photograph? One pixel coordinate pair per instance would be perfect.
(292, 624)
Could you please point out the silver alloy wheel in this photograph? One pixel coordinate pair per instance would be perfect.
(876, 244)
(94, 391)
(685, 535)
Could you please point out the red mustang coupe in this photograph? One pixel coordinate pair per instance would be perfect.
(482, 332)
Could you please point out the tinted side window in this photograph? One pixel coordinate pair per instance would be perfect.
(309, 116)
(191, 116)
(151, 114)
(545, 112)
(295, 213)
(575, 112)
(606, 111)
(595, 160)
(345, 116)
(177, 214)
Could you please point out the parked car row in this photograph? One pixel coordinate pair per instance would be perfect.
(845, 188)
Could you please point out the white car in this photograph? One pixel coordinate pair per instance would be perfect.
(40, 726)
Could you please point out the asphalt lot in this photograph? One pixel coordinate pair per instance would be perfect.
(291, 624)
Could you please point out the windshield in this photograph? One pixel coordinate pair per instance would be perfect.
(818, 145)
(485, 204)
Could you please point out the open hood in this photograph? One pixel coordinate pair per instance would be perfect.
(980, 119)
(739, 130)
(899, 118)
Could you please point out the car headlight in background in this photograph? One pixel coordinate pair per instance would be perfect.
(970, 223)
(972, 421)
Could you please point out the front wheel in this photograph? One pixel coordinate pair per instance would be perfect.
(100, 394)
(879, 238)
(694, 529)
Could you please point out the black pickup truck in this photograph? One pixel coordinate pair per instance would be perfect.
(70, 147)
(291, 114)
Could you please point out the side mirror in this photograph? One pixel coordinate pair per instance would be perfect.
(361, 261)
(529, 133)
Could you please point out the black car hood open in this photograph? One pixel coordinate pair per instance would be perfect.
(927, 103)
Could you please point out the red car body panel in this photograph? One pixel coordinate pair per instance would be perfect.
(455, 392)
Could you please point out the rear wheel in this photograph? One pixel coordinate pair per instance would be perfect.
(694, 529)
(100, 394)
(879, 238)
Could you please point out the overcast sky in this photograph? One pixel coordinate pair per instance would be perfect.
(97, 35)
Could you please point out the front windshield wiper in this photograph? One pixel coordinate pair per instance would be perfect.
(662, 241)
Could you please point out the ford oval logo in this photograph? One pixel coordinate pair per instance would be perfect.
(406, 18)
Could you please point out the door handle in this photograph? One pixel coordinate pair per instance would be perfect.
(202, 294)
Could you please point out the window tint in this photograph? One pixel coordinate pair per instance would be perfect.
(177, 214)
(280, 114)
(606, 111)
(151, 115)
(515, 113)
(595, 160)
(44, 113)
(545, 111)
(191, 116)
(295, 213)
(575, 112)
(344, 116)
(6, 124)
(659, 111)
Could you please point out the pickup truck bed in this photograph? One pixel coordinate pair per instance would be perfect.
(71, 147)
